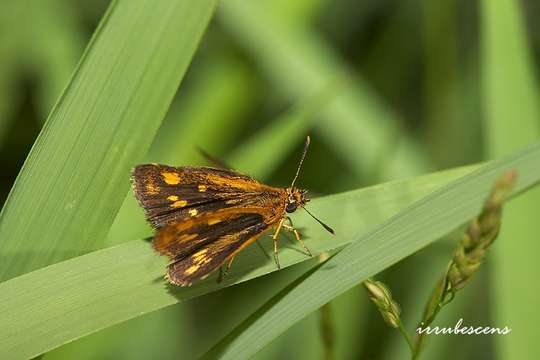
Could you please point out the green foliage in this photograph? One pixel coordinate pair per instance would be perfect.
(97, 286)
(510, 95)
(387, 90)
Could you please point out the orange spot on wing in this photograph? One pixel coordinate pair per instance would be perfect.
(193, 212)
(245, 184)
(202, 188)
(200, 253)
(171, 178)
(172, 198)
(179, 203)
(190, 270)
(200, 257)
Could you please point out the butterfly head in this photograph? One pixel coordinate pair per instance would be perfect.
(296, 198)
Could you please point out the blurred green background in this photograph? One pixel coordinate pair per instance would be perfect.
(388, 89)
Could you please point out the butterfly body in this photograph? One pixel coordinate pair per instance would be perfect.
(204, 216)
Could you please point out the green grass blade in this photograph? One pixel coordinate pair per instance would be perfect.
(510, 99)
(410, 230)
(46, 308)
(77, 173)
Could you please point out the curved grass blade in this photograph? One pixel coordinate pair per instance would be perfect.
(46, 308)
(411, 229)
(76, 175)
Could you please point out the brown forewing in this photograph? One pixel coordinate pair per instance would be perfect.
(170, 195)
(204, 216)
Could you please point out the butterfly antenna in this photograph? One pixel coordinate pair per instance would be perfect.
(326, 227)
(306, 146)
(214, 160)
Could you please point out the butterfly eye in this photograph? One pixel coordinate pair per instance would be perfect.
(291, 207)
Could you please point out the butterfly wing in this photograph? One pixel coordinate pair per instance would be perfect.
(200, 245)
(170, 195)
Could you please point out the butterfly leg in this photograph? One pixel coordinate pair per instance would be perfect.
(296, 235)
(275, 239)
(229, 264)
(225, 269)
